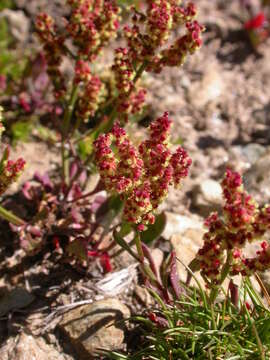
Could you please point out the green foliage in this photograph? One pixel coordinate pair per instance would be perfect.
(21, 130)
(154, 231)
(10, 63)
(197, 330)
(6, 4)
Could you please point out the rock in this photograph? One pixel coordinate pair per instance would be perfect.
(117, 282)
(248, 154)
(144, 296)
(26, 347)
(15, 299)
(207, 197)
(92, 327)
(186, 246)
(209, 89)
(179, 223)
(19, 24)
(257, 178)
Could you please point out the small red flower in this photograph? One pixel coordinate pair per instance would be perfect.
(257, 22)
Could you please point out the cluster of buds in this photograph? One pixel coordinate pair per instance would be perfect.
(143, 175)
(53, 45)
(243, 221)
(146, 50)
(92, 24)
(161, 18)
(92, 90)
(9, 170)
(90, 27)
(130, 98)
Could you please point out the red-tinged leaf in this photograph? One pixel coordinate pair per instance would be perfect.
(234, 293)
(147, 254)
(25, 190)
(73, 169)
(158, 320)
(256, 22)
(174, 276)
(44, 180)
(56, 242)
(105, 262)
(34, 230)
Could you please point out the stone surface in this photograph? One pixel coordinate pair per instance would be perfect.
(27, 347)
(17, 298)
(143, 296)
(179, 223)
(186, 246)
(92, 327)
(257, 178)
(117, 282)
(207, 197)
(209, 88)
(19, 24)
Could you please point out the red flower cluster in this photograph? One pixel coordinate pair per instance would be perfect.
(258, 28)
(9, 169)
(243, 221)
(92, 90)
(54, 51)
(161, 18)
(146, 41)
(10, 172)
(141, 175)
(91, 25)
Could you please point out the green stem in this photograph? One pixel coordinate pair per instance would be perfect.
(106, 127)
(65, 129)
(138, 243)
(9, 216)
(224, 273)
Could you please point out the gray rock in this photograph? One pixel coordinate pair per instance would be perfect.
(177, 224)
(207, 197)
(26, 347)
(95, 326)
(257, 178)
(209, 89)
(19, 24)
(17, 298)
(186, 246)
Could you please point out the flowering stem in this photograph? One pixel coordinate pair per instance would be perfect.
(66, 123)
(138, 243)
(9, 216)
(99, 187)
(107, 126)
(224, 273)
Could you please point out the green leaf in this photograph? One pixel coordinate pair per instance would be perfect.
(78, 249)
(85, 147)
(154, 231)
(124, 245)
(21, 130)
(6, 4)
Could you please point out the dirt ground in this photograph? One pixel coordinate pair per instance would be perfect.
(219, 102)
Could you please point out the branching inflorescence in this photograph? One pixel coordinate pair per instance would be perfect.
(243, 221)
(9, 170)
(142, 175)
(92, 24)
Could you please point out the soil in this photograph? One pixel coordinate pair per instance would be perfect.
(219, 102)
